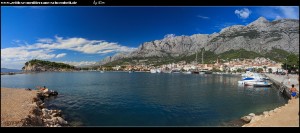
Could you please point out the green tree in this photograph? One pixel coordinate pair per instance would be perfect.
(259, 70)
(239, 70)
(270, 70)
(215, 69)
(265, 67)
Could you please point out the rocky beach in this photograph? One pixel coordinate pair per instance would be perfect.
(25, 108)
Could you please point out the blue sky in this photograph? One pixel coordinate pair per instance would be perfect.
(84, 35)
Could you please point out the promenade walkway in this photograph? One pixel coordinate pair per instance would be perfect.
(287, 80)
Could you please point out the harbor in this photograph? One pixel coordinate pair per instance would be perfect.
(284, 116)
(164, 100)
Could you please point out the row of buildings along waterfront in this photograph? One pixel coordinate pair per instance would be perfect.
(234, 65)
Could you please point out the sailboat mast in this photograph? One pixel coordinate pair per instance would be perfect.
(196, 57)
(202, 56)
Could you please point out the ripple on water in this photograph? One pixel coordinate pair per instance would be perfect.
(123, 99)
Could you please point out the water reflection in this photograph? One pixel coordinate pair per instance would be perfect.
(120, 99)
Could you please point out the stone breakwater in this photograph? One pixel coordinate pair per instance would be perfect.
(285, 116)
(20, 107)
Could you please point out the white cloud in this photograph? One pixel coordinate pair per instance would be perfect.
(16, 41)
(45, 48)
(290, 12)
(16, 57)
(21, 54)
(45, 40)
(278, 17)
(279, 12)
(169, 36)
(12, 64)
(60, 55)
(203, 17)
(84, 45)
(80, 63)
(243, 13)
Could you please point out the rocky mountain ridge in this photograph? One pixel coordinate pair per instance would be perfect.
(259, 36)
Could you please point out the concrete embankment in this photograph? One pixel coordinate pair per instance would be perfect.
(20, 107)
(285, 116)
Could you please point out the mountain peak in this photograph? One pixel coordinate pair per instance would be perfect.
(262, 19)
(249, 37)
(259, 21)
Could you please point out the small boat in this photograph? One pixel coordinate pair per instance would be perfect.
(208, 72)
(195, 72)
(175, 71)
(187, 72)
(201, 72)
(262, 84)
(152, 70)
(158, 70)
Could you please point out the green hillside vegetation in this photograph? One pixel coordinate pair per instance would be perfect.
(277, 55)
(49, 64)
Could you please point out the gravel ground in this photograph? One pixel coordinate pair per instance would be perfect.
(287, 116)
(16, 104)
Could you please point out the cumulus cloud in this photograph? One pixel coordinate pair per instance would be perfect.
(16, 57)
(83, 45)
(243, 13)
(21, 54)
(45, 48)
(203, 17)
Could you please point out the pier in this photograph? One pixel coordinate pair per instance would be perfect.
(284, 82)
(284, 116)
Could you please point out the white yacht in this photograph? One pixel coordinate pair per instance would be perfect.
(152, 70)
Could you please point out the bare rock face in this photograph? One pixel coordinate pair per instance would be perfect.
(259, 36)
(113, 58)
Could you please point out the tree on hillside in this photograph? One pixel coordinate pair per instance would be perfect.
(290, 62)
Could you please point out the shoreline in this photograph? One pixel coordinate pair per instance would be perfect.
(283, 116)
(24, 108)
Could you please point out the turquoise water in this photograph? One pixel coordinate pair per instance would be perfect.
(145, 99)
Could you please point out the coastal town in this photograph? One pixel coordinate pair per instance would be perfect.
(258, 64)
(235, 66)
